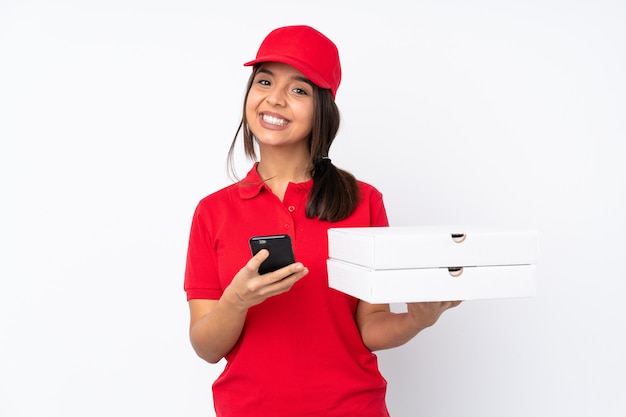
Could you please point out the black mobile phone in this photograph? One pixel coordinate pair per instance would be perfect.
(280, 248)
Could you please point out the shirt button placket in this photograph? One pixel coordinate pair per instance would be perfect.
(292, 196)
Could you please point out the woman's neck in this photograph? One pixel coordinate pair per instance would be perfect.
(279, 170)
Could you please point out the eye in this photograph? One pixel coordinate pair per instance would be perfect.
(263, 81)
(300, 91)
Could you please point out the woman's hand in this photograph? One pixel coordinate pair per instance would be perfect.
(425, 314)
(248, 288)
(382, 329)
(216, 325)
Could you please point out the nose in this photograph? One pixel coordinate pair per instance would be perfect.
(276, 97)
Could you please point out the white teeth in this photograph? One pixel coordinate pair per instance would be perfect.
(274, 120)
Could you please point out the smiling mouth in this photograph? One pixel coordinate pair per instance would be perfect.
(274, 120)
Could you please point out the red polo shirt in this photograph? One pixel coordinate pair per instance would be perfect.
(300, 353)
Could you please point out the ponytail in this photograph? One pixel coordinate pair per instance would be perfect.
(335, 192)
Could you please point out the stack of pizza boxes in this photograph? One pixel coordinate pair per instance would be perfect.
(432, 263)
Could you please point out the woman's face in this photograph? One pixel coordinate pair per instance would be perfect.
(279, 108)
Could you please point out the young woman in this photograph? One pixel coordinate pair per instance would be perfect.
(293, 346)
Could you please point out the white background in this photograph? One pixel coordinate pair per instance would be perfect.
(115, 119)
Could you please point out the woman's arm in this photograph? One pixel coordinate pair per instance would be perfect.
(382, 329)
(216, 325)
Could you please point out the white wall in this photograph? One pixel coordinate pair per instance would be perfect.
(115, 119)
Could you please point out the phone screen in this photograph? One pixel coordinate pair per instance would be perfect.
(280, 248)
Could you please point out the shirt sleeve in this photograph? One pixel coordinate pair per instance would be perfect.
(378, 213)
(201, 275)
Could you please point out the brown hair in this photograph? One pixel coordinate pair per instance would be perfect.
(335, 192)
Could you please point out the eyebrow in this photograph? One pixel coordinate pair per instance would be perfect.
(295, 77)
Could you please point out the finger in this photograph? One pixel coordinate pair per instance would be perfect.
(292, 269)
(255, 262)
(287, 272)
(283, 279)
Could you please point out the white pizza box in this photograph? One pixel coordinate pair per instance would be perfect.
(401, 247)
(431, 284)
